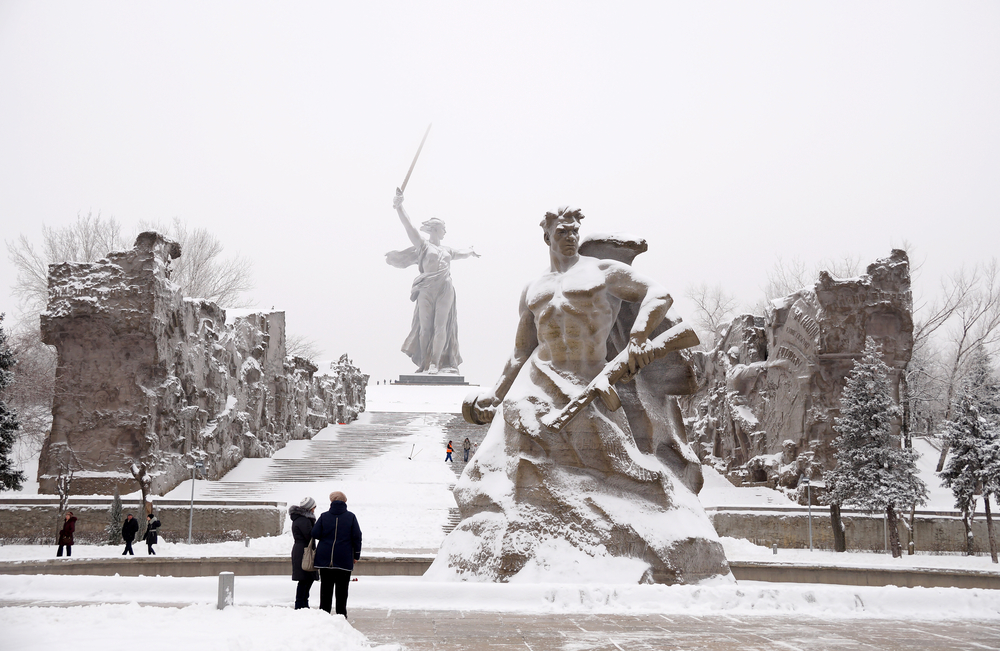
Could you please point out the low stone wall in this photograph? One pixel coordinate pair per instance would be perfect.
(867, 576)
(142, 565)
(789, 528)
(36, 521)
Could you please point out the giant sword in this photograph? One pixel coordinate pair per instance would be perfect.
(402, 188)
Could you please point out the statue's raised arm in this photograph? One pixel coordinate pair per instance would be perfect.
(411, 232)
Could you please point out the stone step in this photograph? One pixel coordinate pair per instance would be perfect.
(341, 448)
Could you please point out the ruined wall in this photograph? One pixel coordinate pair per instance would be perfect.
(149, 377)
(770, 389)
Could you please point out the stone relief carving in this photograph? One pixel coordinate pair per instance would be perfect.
(770, 389)
(148, 376)
(544, 487)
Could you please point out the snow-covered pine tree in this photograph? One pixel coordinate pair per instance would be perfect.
(991, 487)
(966, 432)
(973, 435)
(10, 479)
(874, 472)
(114, 528)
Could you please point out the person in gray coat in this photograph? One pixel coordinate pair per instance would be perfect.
(303, 518)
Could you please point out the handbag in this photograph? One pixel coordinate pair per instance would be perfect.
(309, 556)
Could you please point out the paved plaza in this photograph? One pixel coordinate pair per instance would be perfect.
(486, 631)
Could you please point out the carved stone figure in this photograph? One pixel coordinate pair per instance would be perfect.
(149, 377)
(433, 340)
(770, 389)
(543, 488)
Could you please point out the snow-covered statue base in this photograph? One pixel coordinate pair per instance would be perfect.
(557, 496)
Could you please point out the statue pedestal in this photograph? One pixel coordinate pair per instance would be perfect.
(432, 380)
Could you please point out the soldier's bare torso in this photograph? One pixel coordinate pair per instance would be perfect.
(573, 315)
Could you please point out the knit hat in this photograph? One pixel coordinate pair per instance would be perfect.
(308, 503)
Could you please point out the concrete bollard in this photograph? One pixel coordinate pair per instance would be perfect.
(247, 542)
(774, 548)
(227, 584)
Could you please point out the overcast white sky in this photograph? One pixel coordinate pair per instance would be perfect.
(726, 134)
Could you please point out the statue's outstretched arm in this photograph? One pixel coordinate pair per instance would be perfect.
(458, 254)
(411, 232)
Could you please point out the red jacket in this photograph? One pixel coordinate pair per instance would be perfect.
(66, 535)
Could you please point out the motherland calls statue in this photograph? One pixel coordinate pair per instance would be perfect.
(559, 481)
(433, 340)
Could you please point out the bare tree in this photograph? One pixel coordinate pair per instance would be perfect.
(973, 323)
(31, 391)
(201, 271)
(87, 239)
(300, 346)
(66, 464)
(786, 277)
(714, 307)
(142, 478)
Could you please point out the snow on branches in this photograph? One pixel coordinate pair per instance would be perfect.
(874, 472)
(973, 436)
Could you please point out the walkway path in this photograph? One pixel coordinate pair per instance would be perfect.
(485, 631)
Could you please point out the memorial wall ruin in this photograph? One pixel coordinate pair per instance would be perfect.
(770, 388)
(149, 377)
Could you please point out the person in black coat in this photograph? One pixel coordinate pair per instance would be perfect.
(66, 534)
(152, 524)
(129, 528)
(339, 545)
(303, 518)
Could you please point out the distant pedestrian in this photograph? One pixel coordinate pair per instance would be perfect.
(339, 546)
(466, 446)
(303, 519)
(129, 528)
(152, 524)
(447, 457)
(66, 534)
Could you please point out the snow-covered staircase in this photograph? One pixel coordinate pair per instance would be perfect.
(326, 457)
(339, 449)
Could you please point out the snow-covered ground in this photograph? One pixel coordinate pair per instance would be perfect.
(402, 495)
(416, 593)
(193, 627)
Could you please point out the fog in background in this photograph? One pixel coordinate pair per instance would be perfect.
(726, 134)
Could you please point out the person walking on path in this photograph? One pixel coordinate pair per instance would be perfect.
(447, 457)
(303, 519)
(339, 547)
(152, 524)
(466, 446)
(66, 534)
(129, 528)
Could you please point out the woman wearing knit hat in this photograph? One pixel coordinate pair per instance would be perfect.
(303, 517)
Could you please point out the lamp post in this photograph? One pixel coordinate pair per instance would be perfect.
(198, 465)
(809, 502)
